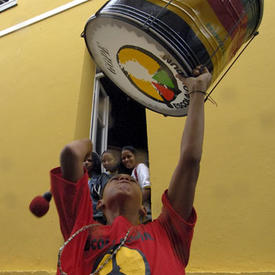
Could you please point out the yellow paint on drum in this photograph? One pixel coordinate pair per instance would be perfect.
(130, 54)
(144, 60)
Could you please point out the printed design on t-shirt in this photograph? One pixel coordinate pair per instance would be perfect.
(127, 261)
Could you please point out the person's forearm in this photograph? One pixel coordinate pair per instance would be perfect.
(192, 139)
(72, 157)
(181, 190)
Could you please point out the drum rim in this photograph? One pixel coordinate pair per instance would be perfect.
(261, 12)
(180, 54)
(181, 59)
(164, 112)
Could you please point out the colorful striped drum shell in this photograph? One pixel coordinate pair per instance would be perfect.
(143, 45)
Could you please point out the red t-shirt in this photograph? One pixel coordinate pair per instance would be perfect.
(159, 247)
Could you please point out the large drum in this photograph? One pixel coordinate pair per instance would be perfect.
(142, 45)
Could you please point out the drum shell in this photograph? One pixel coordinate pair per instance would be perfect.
(192, 32)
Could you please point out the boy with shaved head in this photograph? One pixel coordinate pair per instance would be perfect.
(124, 246)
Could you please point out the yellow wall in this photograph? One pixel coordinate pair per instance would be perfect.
(236, 189)
(46, 91)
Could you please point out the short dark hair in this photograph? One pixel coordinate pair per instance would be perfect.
(129, 148)
(96, 163)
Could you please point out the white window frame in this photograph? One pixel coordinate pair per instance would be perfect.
(95, 116)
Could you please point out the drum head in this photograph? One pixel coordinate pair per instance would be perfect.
(138, 64)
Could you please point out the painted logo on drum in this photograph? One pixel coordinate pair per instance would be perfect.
(148, 74)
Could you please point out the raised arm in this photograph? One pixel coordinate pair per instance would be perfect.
(72, 157)
(181, 190)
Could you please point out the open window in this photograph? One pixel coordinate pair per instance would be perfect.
(117, 120)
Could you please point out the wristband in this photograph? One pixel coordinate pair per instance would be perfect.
(202, 92)
(206, 95)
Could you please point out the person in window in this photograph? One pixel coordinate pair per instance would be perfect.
(124, 246)
(96, 183)
(110, 162)
(140, 172)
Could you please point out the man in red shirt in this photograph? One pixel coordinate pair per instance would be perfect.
(124, 246)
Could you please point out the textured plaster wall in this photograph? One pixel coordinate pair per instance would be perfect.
(235, 193)
(46, 93)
